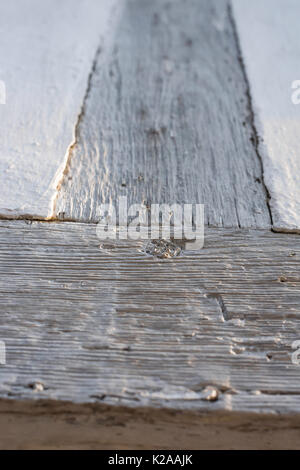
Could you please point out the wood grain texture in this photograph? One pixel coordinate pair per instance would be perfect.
(268, 31)
(168, 119)
(61, 425)
(47, 49)
(86, 321)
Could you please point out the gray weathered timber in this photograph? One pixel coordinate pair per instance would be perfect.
(168, 119)
(91, 321)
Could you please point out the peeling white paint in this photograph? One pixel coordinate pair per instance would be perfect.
(47, 50)
(268, 31)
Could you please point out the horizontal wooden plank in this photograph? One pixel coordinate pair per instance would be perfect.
(62, 425)
(47, 50)
(268, 31)
(91, 321)
(168, 119)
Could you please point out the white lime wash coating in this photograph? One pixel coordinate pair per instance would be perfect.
(47, 50)
(268, 32)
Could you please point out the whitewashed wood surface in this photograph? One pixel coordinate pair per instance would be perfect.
(47, 49)
(150, 80)
(87, 321)
(168, 119)
(155, 104)
(268, 32)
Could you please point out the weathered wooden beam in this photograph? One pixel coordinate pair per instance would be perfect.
(168, 119)
(86, 321)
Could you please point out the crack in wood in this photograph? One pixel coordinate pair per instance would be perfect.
(72, 146)
(218, 297)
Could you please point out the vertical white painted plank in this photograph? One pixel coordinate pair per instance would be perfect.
(47, 49)
(268, 31)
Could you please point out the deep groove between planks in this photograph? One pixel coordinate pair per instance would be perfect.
(255, 137)
(76, 131)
